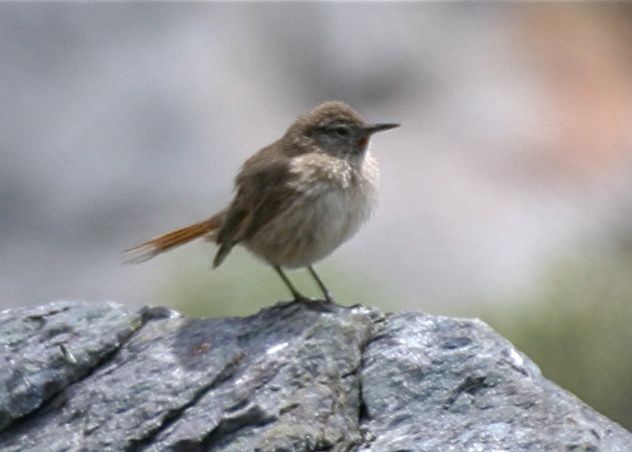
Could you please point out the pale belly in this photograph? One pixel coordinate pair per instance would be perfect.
(312, 227)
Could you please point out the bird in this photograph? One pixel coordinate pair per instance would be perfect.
(296, 200)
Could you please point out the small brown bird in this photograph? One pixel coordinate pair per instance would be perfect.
(297, 199)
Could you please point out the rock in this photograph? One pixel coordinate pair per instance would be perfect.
(300, 376)
(433, 383)
(44, 349)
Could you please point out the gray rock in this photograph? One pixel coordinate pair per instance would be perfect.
(44, 349)
(433, 383)
(294, 377)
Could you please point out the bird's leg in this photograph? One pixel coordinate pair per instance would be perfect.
(295, 293)
(321, 285)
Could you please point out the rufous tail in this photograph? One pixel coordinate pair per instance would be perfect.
(164, 242)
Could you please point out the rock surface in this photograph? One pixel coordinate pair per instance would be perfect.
(294, 377)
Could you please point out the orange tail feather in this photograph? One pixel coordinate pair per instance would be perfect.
(164, 242)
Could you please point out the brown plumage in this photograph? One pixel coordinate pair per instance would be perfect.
(146, 250)
(297, 199)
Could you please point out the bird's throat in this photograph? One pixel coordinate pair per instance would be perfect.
(362, 144)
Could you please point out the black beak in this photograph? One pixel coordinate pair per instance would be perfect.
(371, 129)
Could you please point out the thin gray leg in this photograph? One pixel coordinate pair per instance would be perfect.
(321, 285)
(295, 293)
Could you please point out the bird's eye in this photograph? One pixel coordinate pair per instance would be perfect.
(342, 131)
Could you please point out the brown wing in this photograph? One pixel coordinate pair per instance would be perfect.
(263, 191)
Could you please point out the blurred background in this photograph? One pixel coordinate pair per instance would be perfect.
(506, 194)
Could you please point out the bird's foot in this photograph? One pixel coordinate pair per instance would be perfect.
(319, 305)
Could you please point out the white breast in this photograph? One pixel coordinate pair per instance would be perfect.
(328, 211)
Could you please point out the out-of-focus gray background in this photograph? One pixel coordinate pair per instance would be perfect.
(506, 194)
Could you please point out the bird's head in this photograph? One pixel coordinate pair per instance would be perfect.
(335, 128)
